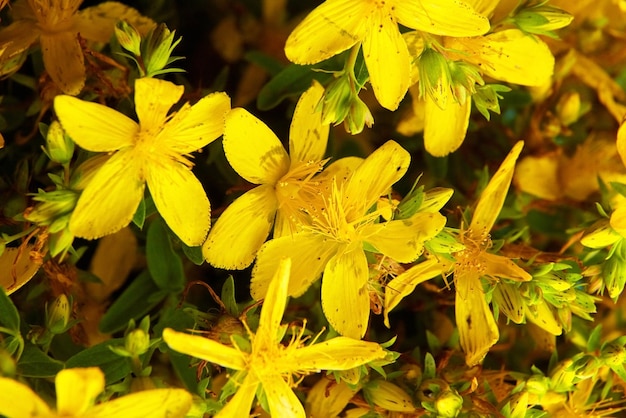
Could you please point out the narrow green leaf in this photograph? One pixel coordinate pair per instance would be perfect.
(9, 317)
(165, 266)
(228, 297)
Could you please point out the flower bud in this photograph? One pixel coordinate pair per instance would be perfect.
(58, 315)
(388, 396)
(157, 50)
(542, 19)
(128, 37)
(52, 205)
(435, 78)
(137, 342)
(568, 108)
(59, 146)
(358, 116)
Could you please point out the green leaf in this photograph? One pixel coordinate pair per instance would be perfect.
(36, 363)
(265, 61)
(135, 302)
(9, 317)
(430, 368)
(194, 254)
(228, 297)
(115, 368)
(165, 266)
(140, 214)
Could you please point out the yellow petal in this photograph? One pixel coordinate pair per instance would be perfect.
(477, 328)
(308, 136)
(331, 28)
(205, 349)
(273, 308)
(509, 55)
(445, 129)
(153, 100)
(403, 240)
(539, 176)
(374, 177)
(15, 39)
(193, 127)
(404, 284)
(618, 220)
(241, 229)
(111, 198)
(239, 405)
(64, 61)
(96, 23)
(441, 17)
(252, 148)
(483, 7)
(542, 315)
(18, 401)
(17, 268)
(309, 254)
(180, 199)
(492, 198)
(327, 398)
(155, 403)
(77, 389)
(339, 353)
(621, 141)
(281, 400)
(503, 267)
(509, 301)
(387, 59)
(95, 127)
(345, 296)
(601, 234)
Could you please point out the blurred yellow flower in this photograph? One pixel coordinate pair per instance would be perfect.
(271, 364)
(154, 151)
(333, 244)
(285, 181)
(56, 25)
(337, 25)
(77, 390)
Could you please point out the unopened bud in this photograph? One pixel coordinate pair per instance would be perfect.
(542, 20)
(128, 37)
(435, 76)
(388, 396)
(568, 108)
(448, 404)
(137, 342)
(59, 146)
(58, 315)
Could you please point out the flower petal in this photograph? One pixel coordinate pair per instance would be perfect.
(281, 400)
(273, 308)
(309, 254)
(18, 400)
(541, 315)
(95, 127)
(504, 268)
(374, 177)
(241, 229)
(403, 240)
(180, 199)
(97, 23)
(492, 198)
(153, 100)
(509, 300)
(154, 403)
(339, 353)
(77, 389)
(345, 297)
(15, 39)
(307, 135)
(239, 405)
(193, 127)
(252, 149)
(477, 328)
(387, 59)
(64, 61)
(205, 349)
(441, 17)
(509, 55)
(445, 129)
(404, 284)
(331, 28)
(110, 199)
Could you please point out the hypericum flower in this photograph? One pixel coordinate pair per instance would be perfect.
(154, 151)
(337, 25)
(271, 364)
(285, 181)
(477, 328)
(77, 390)
(333, 244)
(55, 24)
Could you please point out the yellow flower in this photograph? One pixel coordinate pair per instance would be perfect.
(337, 25)
(153, 151)
(477, 328)
(284, 180)
(55, 24)
(271, 364)
(333, 244)
(77, 390)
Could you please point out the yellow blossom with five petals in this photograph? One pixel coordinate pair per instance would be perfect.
(77, 390)
(285, 181)
(270, 364)
(337, 25)
(154, 152)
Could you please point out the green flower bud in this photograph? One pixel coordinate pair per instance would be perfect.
(542, 20)
(157, 51)
(435, 77)
(359, 115)
(137, 342)
(448, 404)
(59, 146)
(128, 37)
(341, 103)
(58, 315)
(53, 205)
